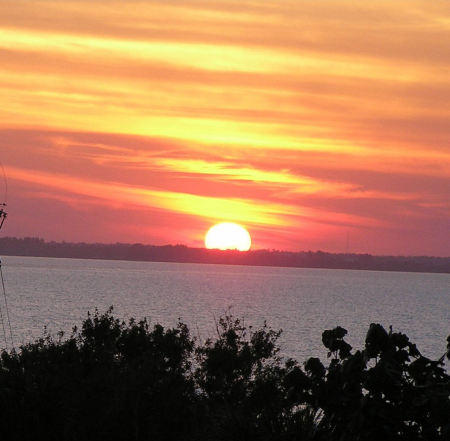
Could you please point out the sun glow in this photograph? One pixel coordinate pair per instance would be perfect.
(228, 236)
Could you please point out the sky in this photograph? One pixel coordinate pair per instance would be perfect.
(317, 125)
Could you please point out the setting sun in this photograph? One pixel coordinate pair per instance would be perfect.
(228, 236)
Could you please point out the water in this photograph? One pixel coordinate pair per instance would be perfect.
(58, 293)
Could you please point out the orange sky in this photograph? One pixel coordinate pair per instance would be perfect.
(304, 121)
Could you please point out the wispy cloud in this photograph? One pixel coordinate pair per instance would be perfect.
(285, 112)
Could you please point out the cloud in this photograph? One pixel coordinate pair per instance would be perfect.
(290, 113)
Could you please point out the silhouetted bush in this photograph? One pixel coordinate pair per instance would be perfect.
(112, 380)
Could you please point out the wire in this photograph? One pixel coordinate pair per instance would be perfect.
(4, 330)
(4, 202)
(5, 179)
(6, 307)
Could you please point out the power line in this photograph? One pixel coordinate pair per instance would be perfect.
(4, 330)
(3, 215)
(7, 309)
(5, 180)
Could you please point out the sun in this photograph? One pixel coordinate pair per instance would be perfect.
(228, 236)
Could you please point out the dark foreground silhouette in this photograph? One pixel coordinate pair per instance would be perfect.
(112, 380)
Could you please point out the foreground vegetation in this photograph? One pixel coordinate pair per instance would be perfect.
(112, 380)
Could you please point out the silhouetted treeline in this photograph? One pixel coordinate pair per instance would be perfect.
(31, 246)
(112, 380)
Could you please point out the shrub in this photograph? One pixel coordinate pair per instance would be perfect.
(111, 380)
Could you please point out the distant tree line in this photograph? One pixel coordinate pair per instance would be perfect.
(31, 246)
(111, 380)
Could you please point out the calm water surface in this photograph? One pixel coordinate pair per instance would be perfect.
(58, 293)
